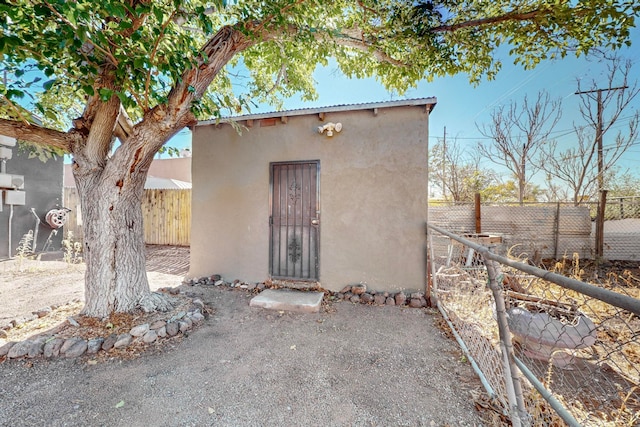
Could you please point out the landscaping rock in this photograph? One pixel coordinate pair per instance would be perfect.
(19, 349)
(178, 316)
(161, 332)
(150, 336)
(3, 334)
(68, 343)
(44, 311)
(359, 289)
(390, 301)
(94, 345)
(346, 289)
(73, 322)
(36, 348)
(366, 298)
(218, 283)
(173, 328)
(157, 325)
(197, 318)
(416, 302)
(109, 342)
(52, 348)
(139, 330)
(400, 298)
(184, 325)
(123, 341)
(347, 296)
(379, 299)
(77, 349)
(355, 299)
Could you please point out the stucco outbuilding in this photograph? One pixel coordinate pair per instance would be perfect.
(334, 196)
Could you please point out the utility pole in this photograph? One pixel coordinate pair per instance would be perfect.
(599, 244)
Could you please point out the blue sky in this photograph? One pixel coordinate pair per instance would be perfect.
(462, 105)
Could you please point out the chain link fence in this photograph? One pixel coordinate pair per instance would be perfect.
(550, 348)
(540, 231)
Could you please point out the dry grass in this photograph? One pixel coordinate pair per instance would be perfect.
(602, 389)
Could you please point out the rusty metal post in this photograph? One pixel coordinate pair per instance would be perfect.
(556, 231)
(478, 214)
(600, 226)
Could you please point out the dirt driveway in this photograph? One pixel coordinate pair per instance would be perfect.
(349, 365)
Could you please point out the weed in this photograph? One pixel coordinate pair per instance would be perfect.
(23, 251)
(72, 250)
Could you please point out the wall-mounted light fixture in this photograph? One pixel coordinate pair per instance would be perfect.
(330, 128)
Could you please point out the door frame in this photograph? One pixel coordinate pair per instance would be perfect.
(318, 227)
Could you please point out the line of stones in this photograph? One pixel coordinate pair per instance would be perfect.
(52, 346)
(355, 293)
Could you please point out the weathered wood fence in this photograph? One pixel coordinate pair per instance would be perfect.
(166, 213)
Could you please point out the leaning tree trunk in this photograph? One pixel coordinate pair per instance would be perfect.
(114, 247)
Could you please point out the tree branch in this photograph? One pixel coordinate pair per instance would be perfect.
(152, 57)
(511, 16)
(124, 125)
(40, 135)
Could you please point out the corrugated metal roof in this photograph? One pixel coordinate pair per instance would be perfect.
(431, 102)
(155, 183)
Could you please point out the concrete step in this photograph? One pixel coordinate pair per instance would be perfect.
(288, 300)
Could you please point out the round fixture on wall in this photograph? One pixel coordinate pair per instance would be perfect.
(330, 128)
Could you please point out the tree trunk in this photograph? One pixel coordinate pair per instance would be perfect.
(114, 248)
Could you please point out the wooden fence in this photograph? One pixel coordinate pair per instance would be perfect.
(166, 213)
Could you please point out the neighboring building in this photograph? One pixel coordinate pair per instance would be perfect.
(166, 214)
(173, 173)
(334, 196)
(30, 188)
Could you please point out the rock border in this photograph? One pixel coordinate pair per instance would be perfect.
(53, 346)
(356, 293)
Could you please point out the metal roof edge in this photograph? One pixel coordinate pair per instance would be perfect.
(414, 102)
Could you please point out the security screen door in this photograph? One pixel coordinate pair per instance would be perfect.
(295, 220)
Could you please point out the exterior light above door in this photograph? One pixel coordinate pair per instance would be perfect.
(330, 128)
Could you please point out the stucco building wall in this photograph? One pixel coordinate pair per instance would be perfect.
(373, 195)
(43, 188)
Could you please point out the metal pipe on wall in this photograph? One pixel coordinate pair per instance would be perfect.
(35, 232)
(10, 219)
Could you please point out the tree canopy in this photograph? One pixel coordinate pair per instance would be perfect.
(154, 55)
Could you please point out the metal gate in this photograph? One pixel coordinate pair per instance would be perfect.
(295, 220)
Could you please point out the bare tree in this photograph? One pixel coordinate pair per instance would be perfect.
(518, 133)
(457, 172)
(584, 166)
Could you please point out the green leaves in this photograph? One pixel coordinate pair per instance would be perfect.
(150, 46)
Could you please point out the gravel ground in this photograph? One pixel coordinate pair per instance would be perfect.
(354, 365)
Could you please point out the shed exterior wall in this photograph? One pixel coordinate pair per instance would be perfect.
(373, 196)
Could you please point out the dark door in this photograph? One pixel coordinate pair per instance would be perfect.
(295, 220)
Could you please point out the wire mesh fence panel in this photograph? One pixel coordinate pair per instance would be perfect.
(461, 290)
(537, 231)
(583, 350)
